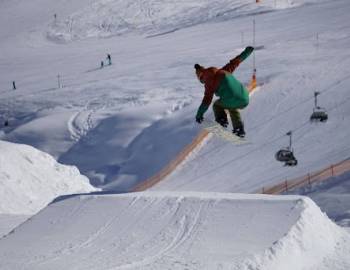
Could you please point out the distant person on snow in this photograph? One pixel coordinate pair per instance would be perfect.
(231, 92)
(109, 58)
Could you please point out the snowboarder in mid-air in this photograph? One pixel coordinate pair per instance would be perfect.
(231, 92)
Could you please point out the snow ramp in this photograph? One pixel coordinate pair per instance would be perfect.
(153, 230)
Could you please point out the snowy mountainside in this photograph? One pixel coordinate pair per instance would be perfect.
(105, 18)
(165, 230)
(123, 123)
(27, 23)
(30, 179)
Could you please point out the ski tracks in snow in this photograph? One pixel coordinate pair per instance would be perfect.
(118, 236)
(82, 121)
(185, 229)
(88, 241)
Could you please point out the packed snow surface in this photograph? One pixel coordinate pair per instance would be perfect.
(122, 123)
(9, 222)
(177, 231)
(30, 179)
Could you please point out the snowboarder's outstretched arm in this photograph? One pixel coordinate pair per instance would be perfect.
(208, 97)
(234, 63)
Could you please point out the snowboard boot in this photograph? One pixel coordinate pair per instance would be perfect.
(222, 121)
(239, 131)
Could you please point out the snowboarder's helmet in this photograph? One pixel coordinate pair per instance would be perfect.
(199, 72)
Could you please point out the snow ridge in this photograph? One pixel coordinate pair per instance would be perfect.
(30, 179)
(313, 233)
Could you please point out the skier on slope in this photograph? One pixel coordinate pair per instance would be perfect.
(109, 58)
(232, 94)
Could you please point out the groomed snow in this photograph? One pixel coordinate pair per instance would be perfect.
(30, 179)
(177, 231)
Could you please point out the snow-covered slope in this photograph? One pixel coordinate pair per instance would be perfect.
(9, 222)
(121, 124)
(306, 50)
(105, 18)
(30, 179)
(177, 231)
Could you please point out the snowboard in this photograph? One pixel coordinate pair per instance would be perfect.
(219, 131)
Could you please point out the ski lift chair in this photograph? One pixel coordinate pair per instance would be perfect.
(318, 114)
(286, 154)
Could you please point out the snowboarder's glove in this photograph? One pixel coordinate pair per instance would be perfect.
(201, 110)
(247, 51)
(249, 48)
(199, 119)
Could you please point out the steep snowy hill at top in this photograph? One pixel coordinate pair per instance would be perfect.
(178, 231)
(30, 179)
(105, 18)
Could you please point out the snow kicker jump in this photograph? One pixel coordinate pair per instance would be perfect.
(155, 230)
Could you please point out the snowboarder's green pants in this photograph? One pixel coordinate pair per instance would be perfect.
(219, 112)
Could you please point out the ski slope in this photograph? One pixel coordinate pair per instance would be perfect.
(291, 69)
(177, 231)
(122, 124)
(152, 18)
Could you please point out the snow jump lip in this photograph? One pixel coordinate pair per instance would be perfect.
(157, 230)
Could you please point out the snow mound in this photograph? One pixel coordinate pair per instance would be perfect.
(30, 179)
(177, 231)
(106, 18)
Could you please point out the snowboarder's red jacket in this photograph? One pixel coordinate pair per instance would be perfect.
(222, 83)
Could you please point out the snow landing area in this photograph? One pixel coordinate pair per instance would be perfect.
(164, 230)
